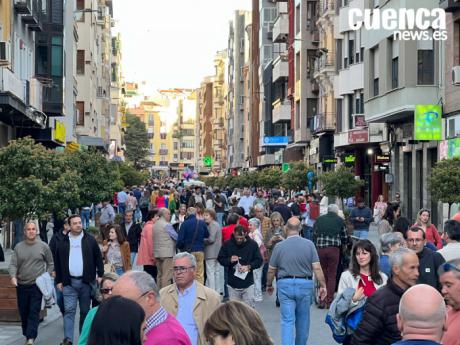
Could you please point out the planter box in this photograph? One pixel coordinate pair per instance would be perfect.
(8, 302)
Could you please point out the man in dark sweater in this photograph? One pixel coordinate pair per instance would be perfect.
(132, 233)
(429, 260)
(241, 254)
(361, 217)
(378, 325)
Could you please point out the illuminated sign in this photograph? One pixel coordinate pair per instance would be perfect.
(428, 122)
(349, 159)
(382, 158)
(59, 131)
(329, 160)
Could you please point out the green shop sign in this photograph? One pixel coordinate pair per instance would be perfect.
(453, 148)
(428, 122)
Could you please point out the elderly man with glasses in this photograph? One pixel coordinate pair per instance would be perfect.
(161, 327)
(188, 300)
(449, 276)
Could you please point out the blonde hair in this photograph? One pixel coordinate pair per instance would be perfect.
(419, 222)
(240, 321)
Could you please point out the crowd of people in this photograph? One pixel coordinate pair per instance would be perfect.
(188, 265)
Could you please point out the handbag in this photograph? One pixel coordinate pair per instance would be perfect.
(188, 248)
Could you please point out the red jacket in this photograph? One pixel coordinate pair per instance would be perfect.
(227, 232)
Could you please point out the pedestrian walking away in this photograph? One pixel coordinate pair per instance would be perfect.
(293, 262)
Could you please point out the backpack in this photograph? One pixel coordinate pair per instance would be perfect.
(314, 211)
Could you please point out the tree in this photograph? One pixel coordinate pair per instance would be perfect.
(269, 177)
(444, 183)
(296, 177)
(130, 176)
(34, 181)
(340, 183)
(98, 178)
(137, 142)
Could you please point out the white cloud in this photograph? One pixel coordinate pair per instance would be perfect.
(171, 43)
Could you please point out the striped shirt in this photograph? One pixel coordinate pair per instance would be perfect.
(156, 319)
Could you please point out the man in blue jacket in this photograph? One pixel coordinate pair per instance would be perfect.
(191, 239)
(361, 217)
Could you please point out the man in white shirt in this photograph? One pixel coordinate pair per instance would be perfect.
(74, 276)
(451, 235)
(122, 198)
(246, 201)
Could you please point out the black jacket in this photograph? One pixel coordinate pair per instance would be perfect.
(378, 325)
(285, 211)
(428, 269)
(249, 254)
(92, 260)
(56, 242)
(134, 236)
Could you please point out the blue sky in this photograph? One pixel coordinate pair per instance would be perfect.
(171, 43)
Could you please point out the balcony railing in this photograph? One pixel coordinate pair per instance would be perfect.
(280, 68)
(11, 83)
(323, 122)
(23, 6)
(325, 61)
(281, 111)
(34, 18)
(163, 152)
(281, 28)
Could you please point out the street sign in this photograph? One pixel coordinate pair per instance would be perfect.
(285, 167)
(208, 161)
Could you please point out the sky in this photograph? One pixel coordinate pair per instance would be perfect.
(172, 43)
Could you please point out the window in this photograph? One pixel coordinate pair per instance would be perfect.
(351, 48)
(311, 15)
(57, 69)
(80, 62)
(375, 71)
(361, 98)
(394, 63)
(150, 136)
(79, 14)
(162, 136)
(297, 67)
(175, 146)
(350, 111)
(339, 54)
(80, 106)
(425, 62)
(297, 115)
(151, 120)
(188, 144)
(297, 19)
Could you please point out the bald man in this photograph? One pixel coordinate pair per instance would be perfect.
(421, 323)
(293, 261)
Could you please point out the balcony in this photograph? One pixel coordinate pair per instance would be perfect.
(281, 111)
(323, 123)
(314, 35)
(218, 123)
(35, 94)
(163, 152)
(280, 68)
(449, 5)
(281, 28)
(34, 19)
(326, 7)
(23, 6)
(325, 64)
(12, 84)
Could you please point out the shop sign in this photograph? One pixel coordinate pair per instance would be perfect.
(276, 141)
(208, 161)
(349, 159)
(428, 122)
(453, 148)
(329, 160)
(382, 158)
(285, 167)
(59, 131)
(358, 136)
(360, 121)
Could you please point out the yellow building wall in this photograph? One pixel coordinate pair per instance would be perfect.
(6, 8)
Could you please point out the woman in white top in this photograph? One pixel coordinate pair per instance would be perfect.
(256, 234)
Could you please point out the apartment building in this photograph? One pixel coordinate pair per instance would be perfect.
(219, 127)
(398, 76)
(356, 142)
(237, 118)
(117, 102)
(93, 64)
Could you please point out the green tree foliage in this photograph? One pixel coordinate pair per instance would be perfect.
(269, 177)
(444, 182)
(340, 183)
(137, 142)
(98, 178)
(34, 180)
(296, 177)
(131, 176)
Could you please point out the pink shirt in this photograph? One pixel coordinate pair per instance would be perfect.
(145, 251)
(451, 336)
(169, 332)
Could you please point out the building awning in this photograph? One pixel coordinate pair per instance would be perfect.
(15, 113)
(97, 142)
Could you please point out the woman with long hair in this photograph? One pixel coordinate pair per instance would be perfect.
(236, 323)
(386, 224)
(116, 250)
(431, 233)
(160, 199)
(255, 233)
(119, 321)
(380, 207)
(199, 211)
(363, 276)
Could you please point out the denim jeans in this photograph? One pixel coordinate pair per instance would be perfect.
(308, 232)
(295, 297)
(119, 270)
(59, 299)
(76, 292)
(258, 285)
(133, 259)
(220, 218)
(361, 234)
(85, 216)
(264, 276)
(29, 304)
(121, 208)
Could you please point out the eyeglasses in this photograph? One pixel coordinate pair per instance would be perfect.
(447, 267)
(106, 291)
(144, 294)
(181, 269)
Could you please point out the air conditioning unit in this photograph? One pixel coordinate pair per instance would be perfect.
(5, 52)
(456, 75)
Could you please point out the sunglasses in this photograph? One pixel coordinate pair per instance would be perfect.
(449, 267)
(105, 291)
